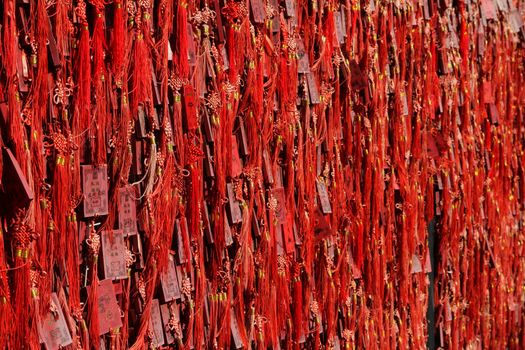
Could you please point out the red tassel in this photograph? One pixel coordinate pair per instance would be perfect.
(21, 237)
(82, 117)
(298, 305)
(140, 342)
(141, 77)
(119, 43)
(98, 129)
(60, 198)
(93, 243)
(6, 310)
(181, 48)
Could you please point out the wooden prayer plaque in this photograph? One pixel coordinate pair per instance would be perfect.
(156, 324)
(95, 186)
(323, 198)
(52, 330)
(114, 254)
(169, 283)
(127, 210)
(108, 309)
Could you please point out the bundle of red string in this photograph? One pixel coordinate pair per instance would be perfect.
(262, 174)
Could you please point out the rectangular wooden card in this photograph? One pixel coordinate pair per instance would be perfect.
(108, 309)
(114, 254)
(169, 282)
(258, 11)
(127, 210)
(190, 106)
(236, 162)
(303, 63)
(52, 330)
(156, 324)
(313, 89)
(95, 188)
(180, 225)
(323, 198)
(236, 334)
(192, 55)
(166, 315)
(14, 182)
(208, 231)
(234, 209)
(278, 194)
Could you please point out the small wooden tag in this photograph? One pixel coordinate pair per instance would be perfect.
(166, 315)
(234, 326)
(236, 159)
(95, 188)
(192, 56)
(323, 198)
(127, 210)
(313, 89)
(267, 168)
(169, 283)
(114, 254)
(339, 29)
(108, 310)
(303, 63)
(416, 265)
(279, 195)
(233, 205)
(14, 182)
(53, 331)
(156, 324)
(181, 254)
(190, 104)
(488, 97)
(258, 12)
(208, 231)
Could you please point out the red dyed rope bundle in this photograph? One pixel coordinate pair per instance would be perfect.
(262, 174)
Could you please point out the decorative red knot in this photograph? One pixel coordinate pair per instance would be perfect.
(174, 325)
(223, 277)
(259, 321)
(214, 101)
(204, 16)
(235, 12)
(186, 287)
(237, 189)
(98, 4)
(282, 265)
(337, 59)
(215, 53)
(131, 7)
(272, 203)
(93, 242)
(270, 11)
(252, 173)
(326, 92)
(80, 11)
(23, 234)
(60, 143)
(229, 88)
(145, 4)
(27, 115)
(347, 335)
(34, 277)
(130, 258)
(176, 83)
(297, 267)
(62, 91)
(195, 152)
(314, 308)
(142, 288)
